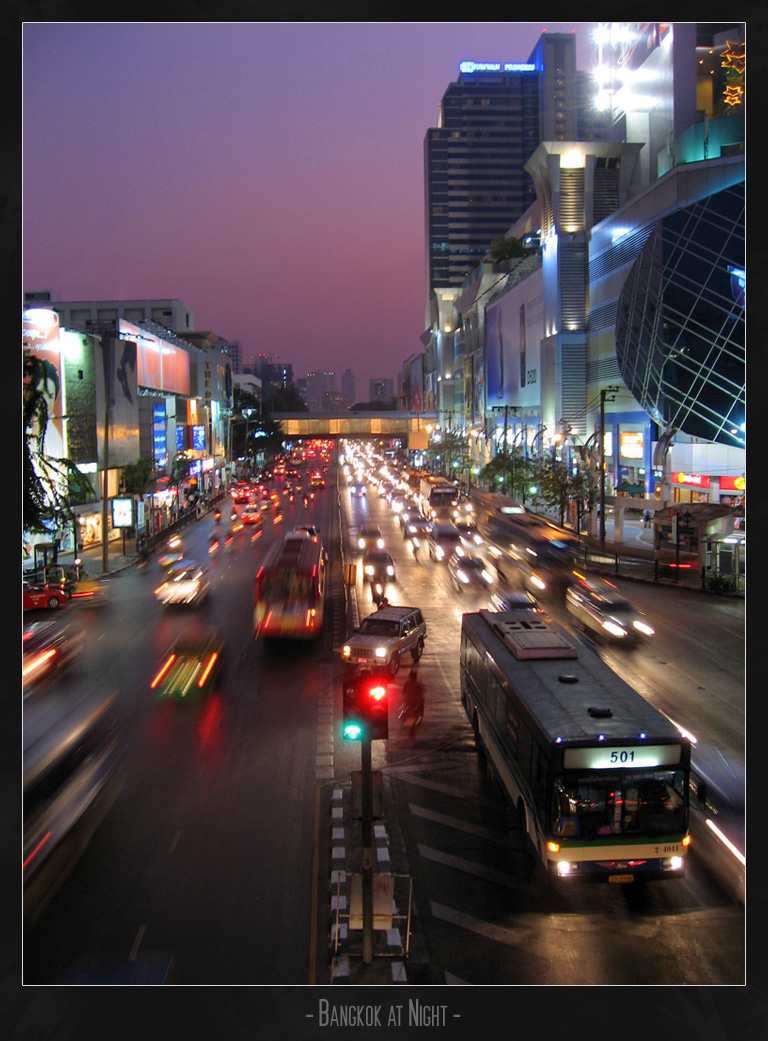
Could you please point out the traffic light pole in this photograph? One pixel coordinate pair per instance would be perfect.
(367, 876)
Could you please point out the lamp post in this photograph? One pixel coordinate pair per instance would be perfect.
(603, 397)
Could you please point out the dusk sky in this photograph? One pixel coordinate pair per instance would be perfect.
(270, 175)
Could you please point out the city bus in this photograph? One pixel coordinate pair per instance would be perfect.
(598, 777)
(289, 588)
(543, 553)
(438, 498)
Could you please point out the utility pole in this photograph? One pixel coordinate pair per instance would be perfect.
(105, 483)
(603, 396)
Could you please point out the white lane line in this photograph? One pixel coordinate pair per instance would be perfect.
(445, 789)
(137, 943)
(468, 866)
(459, 825)
(511, 937)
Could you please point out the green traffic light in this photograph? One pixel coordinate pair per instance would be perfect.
(352, 732)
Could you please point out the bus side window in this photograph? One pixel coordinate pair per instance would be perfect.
(538, 776)
(525, 748)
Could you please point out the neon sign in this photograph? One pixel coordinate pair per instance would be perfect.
(491, 66)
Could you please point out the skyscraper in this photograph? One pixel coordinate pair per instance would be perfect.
(491, 119)
(348, 387)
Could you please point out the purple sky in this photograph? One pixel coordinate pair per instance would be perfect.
(270, 175)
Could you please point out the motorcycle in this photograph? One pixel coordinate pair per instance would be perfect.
(415, 545)
(378, 592)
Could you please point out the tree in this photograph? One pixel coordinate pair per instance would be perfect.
(508, 473)
(557, 485)
(137, 477)
(50, 485)
(507, 247)
(285, 399)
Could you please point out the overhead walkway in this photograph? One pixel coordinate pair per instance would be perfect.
(409, 426)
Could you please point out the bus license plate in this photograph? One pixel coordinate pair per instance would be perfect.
(621, 878)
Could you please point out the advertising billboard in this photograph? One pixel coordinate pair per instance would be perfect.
(514, 327)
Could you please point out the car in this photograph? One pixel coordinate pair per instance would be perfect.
(317, 481)
(187, 584)
(369, 537)
(385, 489)
(384, 637)
(468, 530)
(443, 540)
(251, 514)
(410, 512)
(307, 529)
(398, 502)
(378, 566)
(47, 649)
(357, 489)
(467, 570)
(35, 597)
(191, 666)
(417, 528)
(173, 552)
(599, 607)
(241, 493)
(515, 600)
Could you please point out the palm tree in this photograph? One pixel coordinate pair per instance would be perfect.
(51, 485)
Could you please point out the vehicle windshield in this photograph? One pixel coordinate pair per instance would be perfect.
(379, 627)
(599, 804)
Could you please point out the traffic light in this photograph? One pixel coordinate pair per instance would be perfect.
(353, 722)
(375, 708)
(365, 708)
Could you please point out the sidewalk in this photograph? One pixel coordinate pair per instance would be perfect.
(122, 553)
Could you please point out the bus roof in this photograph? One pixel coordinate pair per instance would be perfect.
(569, 692)
(298, 551)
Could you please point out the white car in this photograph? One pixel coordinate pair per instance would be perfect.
(187, 584)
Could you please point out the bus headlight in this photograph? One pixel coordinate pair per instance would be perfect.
(361, 543)
(564, 868)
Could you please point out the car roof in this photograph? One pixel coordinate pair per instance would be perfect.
(392, 611)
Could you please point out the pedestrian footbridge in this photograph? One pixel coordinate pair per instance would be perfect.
(411, 427)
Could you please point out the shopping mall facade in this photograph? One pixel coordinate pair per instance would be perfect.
(156, 396)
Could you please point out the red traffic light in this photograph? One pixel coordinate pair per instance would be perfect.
(374, 703)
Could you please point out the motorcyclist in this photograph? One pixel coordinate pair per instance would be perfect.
(306, 502)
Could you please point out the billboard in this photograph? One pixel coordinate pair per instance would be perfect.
(514, 327)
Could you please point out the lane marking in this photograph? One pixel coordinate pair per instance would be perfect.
(468, 866)
(459, 825)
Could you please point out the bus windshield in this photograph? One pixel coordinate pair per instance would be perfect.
(598, 804)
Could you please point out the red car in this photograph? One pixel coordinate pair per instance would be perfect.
(39, 596)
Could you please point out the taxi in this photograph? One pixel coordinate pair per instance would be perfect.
(35, 597)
